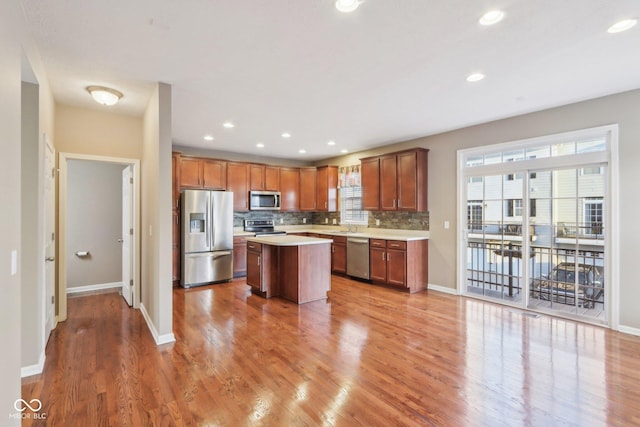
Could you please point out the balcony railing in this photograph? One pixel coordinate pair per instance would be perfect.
(593, 230)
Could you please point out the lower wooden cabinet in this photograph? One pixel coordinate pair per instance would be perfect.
(399, 264)
(239, 256)
(339, 255)
(261, 271)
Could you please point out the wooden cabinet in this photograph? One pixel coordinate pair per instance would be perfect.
(327, 189)
(370, 175)
(256, 177)
(339, 255)
(290, 189)
(175, 217)
(238, 182)
(308, 191)
(214, 174)
(239, 256)
(399, 264)
(396, 181)
(198, 173)
(271, 178)
(262, 269)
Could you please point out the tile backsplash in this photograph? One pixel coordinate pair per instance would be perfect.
(388, 220)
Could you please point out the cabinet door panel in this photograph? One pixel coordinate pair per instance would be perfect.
(327, 185)
(397, 268)
(254, 270)
(378, 264)
(339, 258)
(256, 180)
(370, 173)
(190, 173)
(408, 181)
(238, 182)
(388, 188)
(290, 188)
(214, 174)
(272, 178)
(308, 191)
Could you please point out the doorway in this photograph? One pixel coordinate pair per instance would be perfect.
(66, 161)
(537, 231)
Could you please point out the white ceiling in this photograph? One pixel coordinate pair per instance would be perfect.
(391, 71)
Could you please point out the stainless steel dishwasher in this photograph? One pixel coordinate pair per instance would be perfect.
(358, 257)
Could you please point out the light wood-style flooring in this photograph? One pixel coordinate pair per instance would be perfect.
(366, 356)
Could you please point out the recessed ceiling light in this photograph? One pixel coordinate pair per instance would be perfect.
(104, 95)
(491, 17)
(302, 151)
(475, 77)
(623, 25)
(228, 125)
(347, 6)
(260, 145)
(344, 150)
(286, 135)
(208, 138)
(331, 143)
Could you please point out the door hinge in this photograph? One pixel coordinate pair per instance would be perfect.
(131, 231)
(53, 237)
(53, 299)
(53, 172)
(131, 282)
(130, 180)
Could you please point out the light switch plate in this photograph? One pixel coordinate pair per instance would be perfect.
(446, 225)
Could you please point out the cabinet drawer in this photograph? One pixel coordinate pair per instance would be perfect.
(396, 244)
(340, 240)
(377, 243)
(254, 247)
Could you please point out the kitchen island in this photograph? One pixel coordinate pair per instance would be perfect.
(296, 268)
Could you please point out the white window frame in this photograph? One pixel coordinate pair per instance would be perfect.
(346, 207)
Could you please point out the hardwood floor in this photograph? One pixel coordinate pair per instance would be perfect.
(366, 356)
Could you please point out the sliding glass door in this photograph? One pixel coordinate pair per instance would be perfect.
(535, 224)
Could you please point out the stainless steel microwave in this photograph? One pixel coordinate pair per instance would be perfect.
(264, 200)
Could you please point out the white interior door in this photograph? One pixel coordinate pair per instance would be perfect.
(127, 218)
(49, 241)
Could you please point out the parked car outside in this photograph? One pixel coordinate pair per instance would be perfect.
(559, 285)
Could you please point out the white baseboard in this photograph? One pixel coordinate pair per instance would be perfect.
(159, 339)
(90, 288)
(443, 289)
(629, 330)
(27, 371)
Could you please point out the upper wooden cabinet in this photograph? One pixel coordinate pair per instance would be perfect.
(238, 182)
(290, 189)
(272, 178)
(308, 191)
(400, 182)
(327, 189)
(175, 181)
(256, 177)
(370, 175)
(207, 174)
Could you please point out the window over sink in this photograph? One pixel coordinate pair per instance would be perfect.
(351, 196)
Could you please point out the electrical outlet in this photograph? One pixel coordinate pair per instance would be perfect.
(326, 220)
(335, 221)
(304, 220)
(377, 222)
(281, 220)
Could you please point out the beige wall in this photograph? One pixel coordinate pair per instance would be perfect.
(156, 215)
(623, 109)
(98, 133)
(10, 59)
(94, 222)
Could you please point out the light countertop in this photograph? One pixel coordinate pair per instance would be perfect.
(288, 240)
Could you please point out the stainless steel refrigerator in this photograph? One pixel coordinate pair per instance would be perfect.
(207, 237)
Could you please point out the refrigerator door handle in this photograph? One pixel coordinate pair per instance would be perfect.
(207, 229)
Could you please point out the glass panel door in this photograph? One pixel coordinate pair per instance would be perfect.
(568, 242)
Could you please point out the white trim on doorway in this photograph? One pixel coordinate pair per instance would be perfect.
(62, 225)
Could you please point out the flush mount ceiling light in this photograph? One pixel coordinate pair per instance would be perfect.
(331, 143)
(286, 135)
(621, 26)
(104, 95)
(208, 138)
(475, 77)
(347, 6)
(260, 145)
(228, 125)
(491, 17)
(344, 150)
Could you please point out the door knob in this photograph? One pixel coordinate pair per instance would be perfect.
(50, 258)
